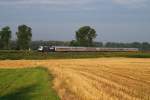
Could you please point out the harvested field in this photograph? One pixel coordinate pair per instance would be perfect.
(95, 79)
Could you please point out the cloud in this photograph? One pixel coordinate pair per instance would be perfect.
(60, 5)
(52, 2)
(132, 3)
(85, 4)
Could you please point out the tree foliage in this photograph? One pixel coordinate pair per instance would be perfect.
(5, 37)
(74, 43)
(24, 36)
(84, 36)
(145, 46)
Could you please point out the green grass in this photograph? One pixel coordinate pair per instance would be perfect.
(26, 84)
(16, 55)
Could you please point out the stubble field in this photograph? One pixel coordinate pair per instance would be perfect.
(95, 79)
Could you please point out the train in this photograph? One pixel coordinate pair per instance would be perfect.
(83, 49)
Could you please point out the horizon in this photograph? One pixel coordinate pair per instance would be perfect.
(114, 20)
(104, 42)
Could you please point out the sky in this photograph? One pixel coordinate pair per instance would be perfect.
(113, 20)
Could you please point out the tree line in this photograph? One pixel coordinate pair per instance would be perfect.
(84, 36)
(145, 46)
(24, 37)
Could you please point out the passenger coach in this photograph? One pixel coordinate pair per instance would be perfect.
(83, 49)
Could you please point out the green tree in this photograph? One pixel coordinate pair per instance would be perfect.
(5, 37)
(145, 46)
(74, 43)
(24, 36)
(1, 45)
(85, 36)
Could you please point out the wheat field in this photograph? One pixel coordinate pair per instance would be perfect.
(95, 79)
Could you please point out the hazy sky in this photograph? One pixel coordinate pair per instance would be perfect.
(114, 20)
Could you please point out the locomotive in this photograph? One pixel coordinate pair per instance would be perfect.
(83, 49)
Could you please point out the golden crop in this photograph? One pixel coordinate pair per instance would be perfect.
(95, 79)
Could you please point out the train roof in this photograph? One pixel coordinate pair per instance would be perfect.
(91, 47)
(86, 47)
